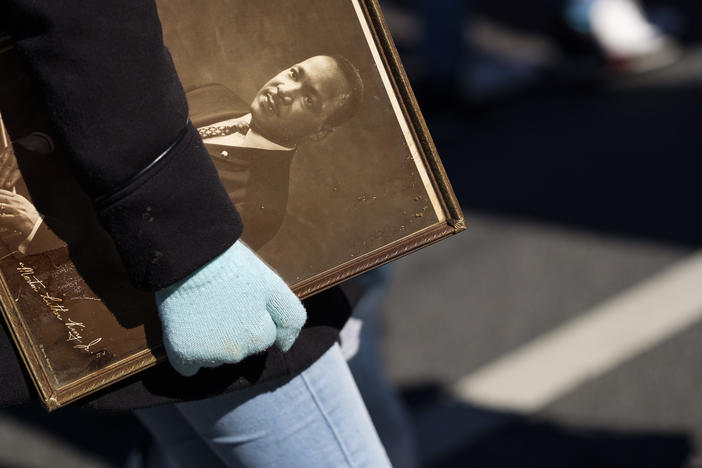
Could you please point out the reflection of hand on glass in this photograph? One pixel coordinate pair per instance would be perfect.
(19, 220)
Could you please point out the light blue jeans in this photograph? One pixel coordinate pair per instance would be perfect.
(316, 419)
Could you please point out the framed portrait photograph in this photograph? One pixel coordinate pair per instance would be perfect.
(308, 116)
(307, 113)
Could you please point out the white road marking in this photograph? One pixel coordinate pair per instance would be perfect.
(597, 341)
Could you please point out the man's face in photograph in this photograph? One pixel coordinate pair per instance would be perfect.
(297, 102)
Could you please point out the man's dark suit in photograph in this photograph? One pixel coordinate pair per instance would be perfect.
(252, 145)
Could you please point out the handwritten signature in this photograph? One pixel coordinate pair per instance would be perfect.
(55, 306)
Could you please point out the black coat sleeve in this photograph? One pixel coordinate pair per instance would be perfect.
(117, 106)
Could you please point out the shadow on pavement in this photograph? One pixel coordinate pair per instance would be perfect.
(106, 436)
(620, 157)
(452, 433)
(449, 433)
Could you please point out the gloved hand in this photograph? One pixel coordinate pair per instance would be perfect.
(231, 308)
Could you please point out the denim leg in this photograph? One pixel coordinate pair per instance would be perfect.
(387, 410)
(315, 419)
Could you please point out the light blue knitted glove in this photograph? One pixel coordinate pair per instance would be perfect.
(231, 308)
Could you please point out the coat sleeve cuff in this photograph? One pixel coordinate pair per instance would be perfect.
(172, 218)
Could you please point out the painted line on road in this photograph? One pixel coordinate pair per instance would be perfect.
(595, 342)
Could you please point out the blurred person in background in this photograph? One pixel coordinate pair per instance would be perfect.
(442, 49)
(459, 52)
(623, 33)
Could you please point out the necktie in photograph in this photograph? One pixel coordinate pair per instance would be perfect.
(213, 131)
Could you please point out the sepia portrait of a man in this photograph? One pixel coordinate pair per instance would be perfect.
(252, 145)
(299, 115)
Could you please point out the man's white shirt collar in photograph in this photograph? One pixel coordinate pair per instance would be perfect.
(250, 139)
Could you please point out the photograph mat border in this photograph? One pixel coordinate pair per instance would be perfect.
(413, 113)
(399, 114)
